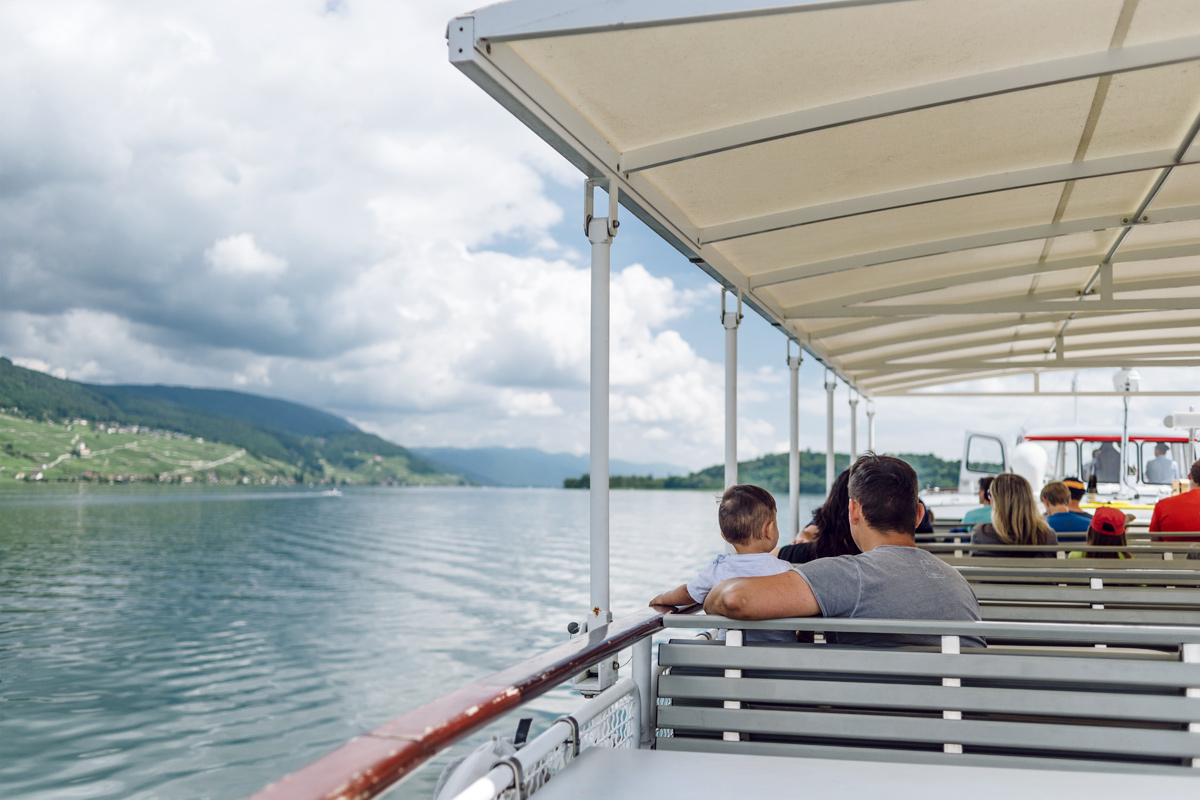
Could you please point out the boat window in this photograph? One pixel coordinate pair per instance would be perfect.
(1103, 459)
(1070, 461)
(1062, 458)
(985, 454)
(1158, 468)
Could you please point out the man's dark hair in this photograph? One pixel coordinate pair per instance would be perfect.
(1194, 473)
(985, 484)
(745, 510)
(1075, 487)
(886, 488)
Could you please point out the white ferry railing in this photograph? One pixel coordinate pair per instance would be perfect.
(611, 719)
(368, 765)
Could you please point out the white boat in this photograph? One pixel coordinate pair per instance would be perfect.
(1077, 451)
(915, 194)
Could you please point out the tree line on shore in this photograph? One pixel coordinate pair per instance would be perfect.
(771, 473)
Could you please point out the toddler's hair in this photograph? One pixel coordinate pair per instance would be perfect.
(745, 510)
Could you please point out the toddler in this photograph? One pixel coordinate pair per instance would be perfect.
(747, 520)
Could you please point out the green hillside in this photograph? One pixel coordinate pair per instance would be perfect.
(149, 437)
(771, 472)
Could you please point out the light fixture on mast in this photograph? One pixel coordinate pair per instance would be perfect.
(1126, 380)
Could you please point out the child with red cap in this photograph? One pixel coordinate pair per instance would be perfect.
(1106, 529)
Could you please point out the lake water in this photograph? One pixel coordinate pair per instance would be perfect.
(199, 643)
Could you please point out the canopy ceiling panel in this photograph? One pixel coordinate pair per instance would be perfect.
(1092, 245)
(813, 244)
(920, 192)
(891, 153)
(916, 275)
(1182, 188)
(798, 61)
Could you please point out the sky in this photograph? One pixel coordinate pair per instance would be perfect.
(304, 200)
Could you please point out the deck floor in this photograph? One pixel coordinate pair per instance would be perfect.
(604, 773)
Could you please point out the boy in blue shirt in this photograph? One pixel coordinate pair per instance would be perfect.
(1057, 499)
(747, 519)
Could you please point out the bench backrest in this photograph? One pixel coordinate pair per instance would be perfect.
(1029, 706)
(1100, 602)
(1156, 551)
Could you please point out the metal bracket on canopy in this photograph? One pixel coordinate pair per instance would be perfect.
(589, 204)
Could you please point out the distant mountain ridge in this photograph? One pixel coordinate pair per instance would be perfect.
(266, 412)
(527, 466)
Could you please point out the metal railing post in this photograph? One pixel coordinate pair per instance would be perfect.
(793, 363)
(830, 385)
(871, 425)
(853, 426)
(600, 231)
(731, 320)
(644, 679)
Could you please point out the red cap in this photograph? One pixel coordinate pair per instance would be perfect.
(1108, 520)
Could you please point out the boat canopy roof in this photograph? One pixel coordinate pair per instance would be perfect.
(1102, 433)
(920, 192)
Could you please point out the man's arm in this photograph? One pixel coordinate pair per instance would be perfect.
(772, 597)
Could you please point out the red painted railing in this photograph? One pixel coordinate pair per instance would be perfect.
(369, 764)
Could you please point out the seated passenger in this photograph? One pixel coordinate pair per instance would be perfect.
(747, 519)
(1077, 489)
(1180, 513)
(1161, 469)
(1107, 530)
(1056, 497)
(925, 521)
(978, 516)
(890, 579)
(1015, 520)
(1107, 463)
(831, 536)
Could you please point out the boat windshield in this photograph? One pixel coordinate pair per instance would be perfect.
(1149, 461)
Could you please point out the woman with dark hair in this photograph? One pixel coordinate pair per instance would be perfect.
(1015, 519)
(832, 521)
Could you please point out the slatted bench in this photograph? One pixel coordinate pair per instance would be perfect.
(1079, 593)
(1159, 551)
(1074, 604)
(1113, 709)
(1078, 572)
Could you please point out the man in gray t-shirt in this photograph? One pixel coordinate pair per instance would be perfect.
(891, 579)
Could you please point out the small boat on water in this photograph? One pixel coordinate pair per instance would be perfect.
(915, 194)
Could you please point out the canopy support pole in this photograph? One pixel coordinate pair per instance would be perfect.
(853, 426)
(600, 232)
(731, 320)
(830, 385)
(871, 425)
(1124, 489)
(793, 362)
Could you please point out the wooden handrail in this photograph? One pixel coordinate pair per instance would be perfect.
(369, 764)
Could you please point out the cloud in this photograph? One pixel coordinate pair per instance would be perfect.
(307, 201)
(239, 256)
